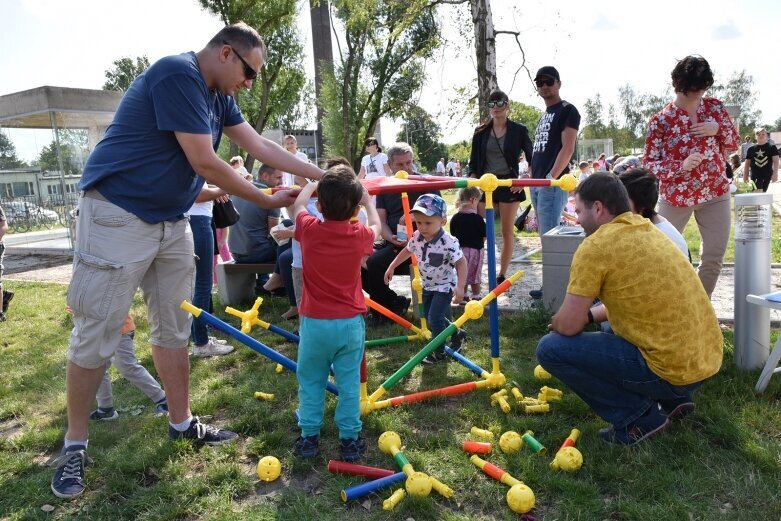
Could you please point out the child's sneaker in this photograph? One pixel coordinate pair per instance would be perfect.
(68, 479)
(678, 409)
(202, 433)
(105, 415)
(211, 349)
(457, 340)
(161, 408)
(352, 449)
(307, 446)
(7, 297)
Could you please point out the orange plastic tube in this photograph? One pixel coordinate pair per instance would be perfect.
(442, 391)
(477, 447)
(389, 314)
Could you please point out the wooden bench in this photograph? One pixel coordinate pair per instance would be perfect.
(236, 282)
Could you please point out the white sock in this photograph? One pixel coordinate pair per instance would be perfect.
(181, 427)
(70, 443)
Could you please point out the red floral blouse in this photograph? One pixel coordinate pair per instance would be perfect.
(669, 142)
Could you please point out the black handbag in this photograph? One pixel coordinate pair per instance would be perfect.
(224, 214)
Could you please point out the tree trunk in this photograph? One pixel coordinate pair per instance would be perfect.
(485, 50)
(323, 55)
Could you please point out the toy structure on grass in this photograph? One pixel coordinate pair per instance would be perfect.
(519, 497)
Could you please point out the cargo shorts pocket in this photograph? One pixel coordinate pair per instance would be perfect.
(93, 285)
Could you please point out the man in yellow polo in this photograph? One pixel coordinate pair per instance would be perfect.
(665, 339)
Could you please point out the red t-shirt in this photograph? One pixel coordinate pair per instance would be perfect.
(331, 252)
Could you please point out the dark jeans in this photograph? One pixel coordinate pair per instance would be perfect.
(203, 244)
(285, 268)
(373, 278)
(436, 306)
(265, 253)
(608, 373)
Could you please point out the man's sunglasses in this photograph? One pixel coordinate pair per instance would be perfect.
(249, 72)
(499, 104)
(547, 83)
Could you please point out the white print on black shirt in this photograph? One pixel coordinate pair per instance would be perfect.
(543, 130)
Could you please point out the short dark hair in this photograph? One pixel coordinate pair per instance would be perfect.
(331, 162)
(691, 74)
(643, 189)
(265, 169)
(607, 189)
(239, 35)
(339, 192)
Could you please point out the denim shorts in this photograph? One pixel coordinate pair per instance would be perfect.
(116, 253)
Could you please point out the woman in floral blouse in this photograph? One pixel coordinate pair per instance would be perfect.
(686, 147)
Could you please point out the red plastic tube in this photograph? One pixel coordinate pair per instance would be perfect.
(477, 447)
(443, 391)
(342, 467)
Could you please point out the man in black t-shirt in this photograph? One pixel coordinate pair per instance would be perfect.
(762, 161)
(554, 145)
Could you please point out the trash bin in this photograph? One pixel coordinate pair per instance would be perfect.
(753, 225)
(558, 248)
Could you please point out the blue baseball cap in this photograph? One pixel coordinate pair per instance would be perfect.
(431, 205)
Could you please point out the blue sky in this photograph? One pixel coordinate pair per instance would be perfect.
(597, 46)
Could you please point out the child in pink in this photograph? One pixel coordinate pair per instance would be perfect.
(469, 228)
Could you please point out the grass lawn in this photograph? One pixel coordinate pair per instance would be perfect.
(722, 462)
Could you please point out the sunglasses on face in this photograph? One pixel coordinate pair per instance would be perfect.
(499, 104)
(249, 72)
(547, 83)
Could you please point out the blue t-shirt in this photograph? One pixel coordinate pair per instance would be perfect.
(139, 165)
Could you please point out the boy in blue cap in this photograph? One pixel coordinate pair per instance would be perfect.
(442, 267)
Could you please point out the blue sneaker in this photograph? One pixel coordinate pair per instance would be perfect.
(352, 449)
(307, 446)
(161, 408)
(653, 422)
(68, 479)
(202, 434)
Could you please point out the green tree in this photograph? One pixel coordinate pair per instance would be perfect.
(73, 151)
(739, 90)
(526, 114)
(124, 72)
(594, 127)
(423, 133)
(279, 96)
(461, 151)
(8, 158)
(378, 70)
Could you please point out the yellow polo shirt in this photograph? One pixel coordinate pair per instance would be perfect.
(653, 296)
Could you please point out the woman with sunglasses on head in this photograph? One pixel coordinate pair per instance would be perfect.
(496, 147)
(374, 163)
(686, 149)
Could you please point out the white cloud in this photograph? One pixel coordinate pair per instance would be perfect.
(603, 23)
(726, 31)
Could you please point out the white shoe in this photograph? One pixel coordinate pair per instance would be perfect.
(211, 349)
(215, 340)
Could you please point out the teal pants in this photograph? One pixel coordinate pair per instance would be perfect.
(327, 343)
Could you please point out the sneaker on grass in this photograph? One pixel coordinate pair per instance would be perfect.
(211, 349)
(307, 446)
(68, 479)
(653, 422)
(433, 358)
(106, 415)
(161, 408)
(352, 449)
(202, 433)
(678, 409)
(457, 340)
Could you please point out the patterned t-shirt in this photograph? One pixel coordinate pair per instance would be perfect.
(437, 260)
(653, 296)
(669, 142)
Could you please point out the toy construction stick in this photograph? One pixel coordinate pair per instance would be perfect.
(477, 447)
(351, 469)
(245, 339)
(533, 444)
(495, 472)
(417, 285)
(461, 359)
(250, 318)
(451, 390)
(403, 322)
(364, 489)
(394, 499)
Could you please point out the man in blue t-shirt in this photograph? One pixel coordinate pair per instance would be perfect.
(554, 145)
(138, 182)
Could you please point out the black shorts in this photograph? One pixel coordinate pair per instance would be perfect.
(762, 181)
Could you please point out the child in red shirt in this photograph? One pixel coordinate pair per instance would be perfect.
(332, 306)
